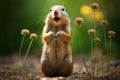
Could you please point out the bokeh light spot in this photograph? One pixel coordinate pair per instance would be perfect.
(85, 10)
(99, 15)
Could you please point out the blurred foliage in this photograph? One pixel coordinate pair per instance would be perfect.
(18, 14)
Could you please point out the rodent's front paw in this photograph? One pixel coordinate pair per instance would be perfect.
(60, 33)
(51, 34)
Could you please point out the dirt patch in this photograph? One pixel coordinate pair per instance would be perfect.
(31, 70)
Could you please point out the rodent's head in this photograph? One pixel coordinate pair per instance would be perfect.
(57, 16)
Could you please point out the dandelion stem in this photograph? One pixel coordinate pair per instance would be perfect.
(84, 63)
(96, 60)
(17, 69)
(110, 45)
(21, 45)
(94, 25)
(27, 52)
(91, 44)
(110, 52)
(92, 76)
(105, 41)
(105, 46)
(102, 64)
(94, 22)
(86, 66)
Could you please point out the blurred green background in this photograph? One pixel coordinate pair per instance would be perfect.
(18, 14)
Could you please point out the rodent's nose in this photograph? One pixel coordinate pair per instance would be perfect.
(56, 13)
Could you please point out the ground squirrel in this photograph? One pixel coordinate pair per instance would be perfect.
(56, 58)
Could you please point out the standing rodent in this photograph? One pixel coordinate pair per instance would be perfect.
(56, 58)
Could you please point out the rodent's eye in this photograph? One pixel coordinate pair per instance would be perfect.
(62, 9)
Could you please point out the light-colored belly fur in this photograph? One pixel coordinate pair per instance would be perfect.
(56, 52)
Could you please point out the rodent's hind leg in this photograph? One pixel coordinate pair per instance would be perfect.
(66, 68)
(46, 68)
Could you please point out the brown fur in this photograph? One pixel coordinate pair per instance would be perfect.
(56, 58)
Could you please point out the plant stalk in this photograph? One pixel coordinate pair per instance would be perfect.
(94, 22)
(21, 45)
(110, 45)
(27, 52)
(19, 53)
(84, 63)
